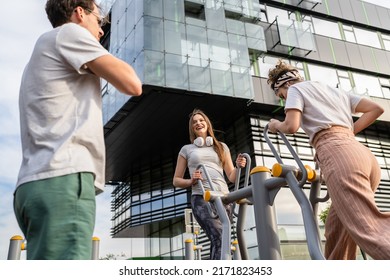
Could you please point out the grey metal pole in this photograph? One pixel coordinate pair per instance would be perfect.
(189, 249)
(265, 218)
(240, 230)
(223, 216)
(314, 195)
(226, 229)
(198, 252)
(310, 223)
(95, 248)
(15, 247)
(270, 184)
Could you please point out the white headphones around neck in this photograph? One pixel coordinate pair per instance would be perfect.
(200, 142)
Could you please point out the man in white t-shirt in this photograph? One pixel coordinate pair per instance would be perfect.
(60, 106)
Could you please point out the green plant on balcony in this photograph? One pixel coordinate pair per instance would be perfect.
(324, 214)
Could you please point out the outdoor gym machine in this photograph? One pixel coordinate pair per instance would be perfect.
(261, 194)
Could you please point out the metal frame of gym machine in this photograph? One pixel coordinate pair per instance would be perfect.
(261, 194)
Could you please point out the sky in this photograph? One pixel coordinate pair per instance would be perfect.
(21, 23)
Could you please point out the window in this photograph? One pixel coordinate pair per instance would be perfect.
(282, 15)
(323, 74)
(368, 38)
(365, 84)
(265, 64)
(344, 80)
(385, 84)
(349, 34)
(386, 41)
(326, 28)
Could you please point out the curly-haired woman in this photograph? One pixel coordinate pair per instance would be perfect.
(351, 171)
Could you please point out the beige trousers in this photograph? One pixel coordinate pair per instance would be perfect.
(352, 175)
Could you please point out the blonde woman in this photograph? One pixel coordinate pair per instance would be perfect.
(351, 171)
(215, 155)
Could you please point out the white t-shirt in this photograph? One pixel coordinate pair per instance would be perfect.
(208, 157)
(61, 108)
(322, 106)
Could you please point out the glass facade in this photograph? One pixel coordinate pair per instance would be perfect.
(149, 198)
(225, 49)
(190, 45)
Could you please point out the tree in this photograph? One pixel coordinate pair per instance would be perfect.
(112, 256)
(324, 214)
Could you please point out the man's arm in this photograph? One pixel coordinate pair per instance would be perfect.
(118, 73)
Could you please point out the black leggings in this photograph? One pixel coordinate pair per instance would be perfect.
(212, 226)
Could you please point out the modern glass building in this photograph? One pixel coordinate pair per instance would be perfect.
(215, 55)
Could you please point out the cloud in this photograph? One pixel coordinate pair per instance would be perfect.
(10, 152)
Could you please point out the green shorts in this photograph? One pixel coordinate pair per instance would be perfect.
(57, 216)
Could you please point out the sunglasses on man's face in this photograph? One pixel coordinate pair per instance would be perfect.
(100, 19)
